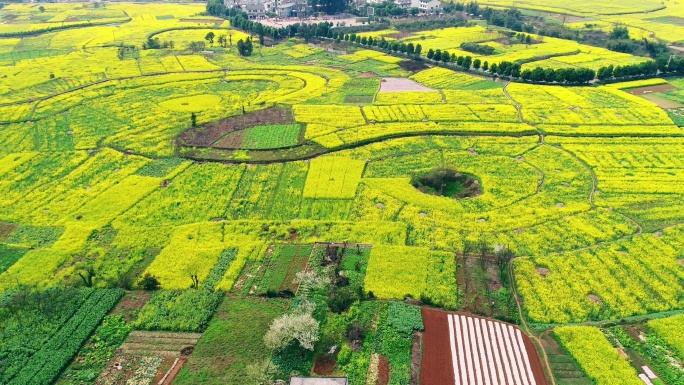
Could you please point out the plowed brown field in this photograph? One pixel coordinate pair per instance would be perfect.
(465, 349)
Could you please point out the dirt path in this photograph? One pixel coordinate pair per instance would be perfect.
(540, 173)
(594, 180)
(526, 328)
(518, 108)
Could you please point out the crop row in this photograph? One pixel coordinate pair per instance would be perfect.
(44, 366)
(631, 277)
(599, 360)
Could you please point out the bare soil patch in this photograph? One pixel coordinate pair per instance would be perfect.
(681, 261)
(6, 229)
(595, 299)
(662, 102)
(232, 140)
(368, 75)
(206, 21)
(131, 303)
(402, 85)
(206, 135)
(542, 271)
(651, 89)
(169, 372)
(361, 99)
(161, 344)
(634, 331)
(383, 371)
(436, 367)
(479, 280)
(551, 345)
(622, 353)
(324, 365)
(416, 357)
(71, 19)
(125, 367)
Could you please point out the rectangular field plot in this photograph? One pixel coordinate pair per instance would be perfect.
(282, 268)
(400, 271)
(597, 357)
(459, 349)
(333, 177)
(48, 341)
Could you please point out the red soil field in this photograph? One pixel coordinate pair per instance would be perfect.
(437, 367)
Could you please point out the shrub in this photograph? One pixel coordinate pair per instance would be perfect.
(149, 282)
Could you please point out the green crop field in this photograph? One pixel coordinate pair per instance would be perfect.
(299, 210)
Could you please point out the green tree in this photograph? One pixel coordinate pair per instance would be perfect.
(210, 38)
(245, 47)
(430, 53)
(467, 61)
(446, 56)
(605, 73)
(477, 63)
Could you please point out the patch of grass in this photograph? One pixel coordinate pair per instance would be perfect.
(187, 310)
(35, 236)
(9, 255)
(272, 136)
(137, 270)
(6, 229)
(354, 265)
(483, 85)
(233, 341)
(358, 99)
(677, 116)
(278, 272)
(179, 310)
(159, 168)
(668, 20)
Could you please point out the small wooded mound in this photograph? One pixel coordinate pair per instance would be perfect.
(446, 181)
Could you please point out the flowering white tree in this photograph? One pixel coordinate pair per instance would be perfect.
(300, 326)
(309, 281)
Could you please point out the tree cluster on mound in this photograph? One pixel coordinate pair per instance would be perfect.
(446, 181)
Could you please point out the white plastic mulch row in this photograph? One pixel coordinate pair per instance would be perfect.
(645, 379)
(649, 373)
(489, 353)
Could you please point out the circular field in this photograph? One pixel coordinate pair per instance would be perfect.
(191, 103)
